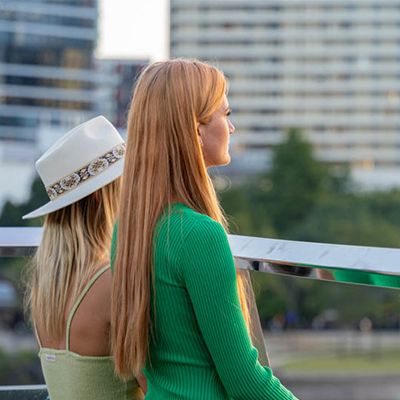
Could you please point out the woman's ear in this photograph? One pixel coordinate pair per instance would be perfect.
(200, 132)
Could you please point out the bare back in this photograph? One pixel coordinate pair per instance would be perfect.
(90, 326)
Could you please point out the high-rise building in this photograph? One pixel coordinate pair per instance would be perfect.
(47, 79)
(46, 65)
(118, 77)
(331, 68)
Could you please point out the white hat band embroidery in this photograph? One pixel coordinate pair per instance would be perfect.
(95, 167)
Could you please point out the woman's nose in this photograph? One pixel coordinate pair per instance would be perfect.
(231, 127)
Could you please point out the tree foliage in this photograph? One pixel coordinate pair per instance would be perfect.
(302, 199)
(297, 182)
(11, 214)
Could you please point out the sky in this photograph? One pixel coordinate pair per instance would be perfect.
(133, 28)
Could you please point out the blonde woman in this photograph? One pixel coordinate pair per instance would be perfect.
(70, 279)
(178, 306)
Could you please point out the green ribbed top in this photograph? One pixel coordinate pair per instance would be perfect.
(201, 348)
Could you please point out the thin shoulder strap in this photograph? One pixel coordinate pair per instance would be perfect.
(37, 335)
(79, 300)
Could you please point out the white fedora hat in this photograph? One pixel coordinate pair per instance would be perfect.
(85, 159)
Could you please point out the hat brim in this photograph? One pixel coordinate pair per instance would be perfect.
(85, 189)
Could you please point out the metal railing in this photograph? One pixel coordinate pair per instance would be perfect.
(372, 266)
(24, 392)
(376, 266)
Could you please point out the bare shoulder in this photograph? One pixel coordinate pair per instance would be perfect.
(102, 286)
(90, 326)
(104, 281)
(99, 296)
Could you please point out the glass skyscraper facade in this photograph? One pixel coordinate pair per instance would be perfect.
(47, 78)
(48, 81)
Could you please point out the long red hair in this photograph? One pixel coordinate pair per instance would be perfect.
(164, 163)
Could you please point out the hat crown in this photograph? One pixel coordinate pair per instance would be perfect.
(76, 149)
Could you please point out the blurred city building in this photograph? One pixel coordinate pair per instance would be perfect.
(47, 80)
(51, 81)
(331, 68)
(115, 90)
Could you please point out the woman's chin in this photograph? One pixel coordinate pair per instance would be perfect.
(228, 159)
(224, 160)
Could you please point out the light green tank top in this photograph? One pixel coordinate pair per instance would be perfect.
(70, 376)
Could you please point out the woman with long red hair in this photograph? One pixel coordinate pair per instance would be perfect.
(179, 311)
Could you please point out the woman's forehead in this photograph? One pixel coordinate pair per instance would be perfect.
(225, 103)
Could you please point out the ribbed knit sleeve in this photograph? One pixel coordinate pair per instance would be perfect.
(208, 271)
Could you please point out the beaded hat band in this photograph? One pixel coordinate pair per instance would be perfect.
(95, 167)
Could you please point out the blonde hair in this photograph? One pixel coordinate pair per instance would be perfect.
(75, 242)
(164, 163)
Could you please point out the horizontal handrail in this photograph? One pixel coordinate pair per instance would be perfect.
(22, 388)
(19, 241)
(375, 266)
(24, 392)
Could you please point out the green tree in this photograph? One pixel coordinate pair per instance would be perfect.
(245, 210)
(11, 214)
(274, 203)
(298, 182)
(348, 219)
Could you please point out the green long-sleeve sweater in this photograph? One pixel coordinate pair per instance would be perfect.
(201, 347)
